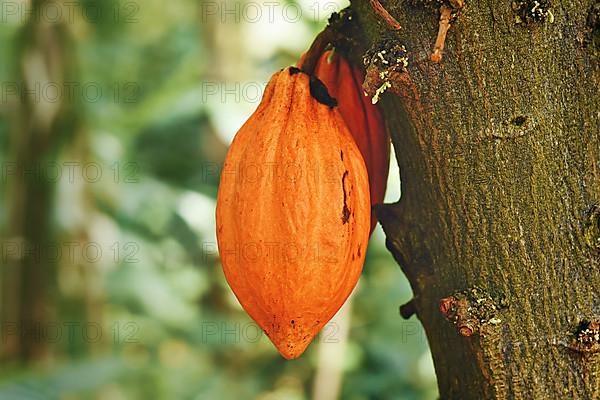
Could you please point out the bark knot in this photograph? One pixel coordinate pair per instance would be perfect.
(386, 62)
(586, 338)
(472, 310)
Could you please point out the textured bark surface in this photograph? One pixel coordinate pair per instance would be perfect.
(499, 152)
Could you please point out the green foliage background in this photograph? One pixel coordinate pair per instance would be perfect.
(176, 83)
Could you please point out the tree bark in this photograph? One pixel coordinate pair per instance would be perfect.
(499, 153)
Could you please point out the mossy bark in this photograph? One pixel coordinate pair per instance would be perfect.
(499, 153)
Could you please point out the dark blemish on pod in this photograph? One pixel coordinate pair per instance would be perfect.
(319, 92)
(345, 209)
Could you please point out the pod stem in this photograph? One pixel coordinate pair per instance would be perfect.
(319, 45)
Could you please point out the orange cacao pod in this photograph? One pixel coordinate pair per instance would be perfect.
(364, 119)
(292, 244)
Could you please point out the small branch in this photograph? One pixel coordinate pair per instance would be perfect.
(385, 15)
(438, 48)
(409, 309)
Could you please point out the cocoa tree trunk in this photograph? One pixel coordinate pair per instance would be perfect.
(499, 153)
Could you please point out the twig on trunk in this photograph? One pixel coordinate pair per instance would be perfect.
(438, 47)
(384, 14)
(409, 309)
